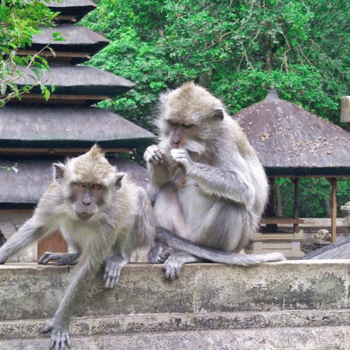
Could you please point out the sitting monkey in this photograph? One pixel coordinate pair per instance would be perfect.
(101, 213)
(207, 182)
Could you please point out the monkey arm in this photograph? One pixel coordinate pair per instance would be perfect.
(59, 325)
(27, 234)
(229, 184)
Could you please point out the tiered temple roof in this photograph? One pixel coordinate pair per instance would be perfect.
(34, 133)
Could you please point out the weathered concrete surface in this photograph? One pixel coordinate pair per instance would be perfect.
(323, 338)
(288, 305)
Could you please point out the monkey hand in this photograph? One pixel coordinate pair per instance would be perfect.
(59, 336)
(154, 155)
(113, 268)
(181, 157)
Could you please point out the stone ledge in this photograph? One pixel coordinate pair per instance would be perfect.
(30, 291)
(288, 305)
(322, 338)
(167, 323)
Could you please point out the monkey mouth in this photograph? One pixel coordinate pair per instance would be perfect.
(84, 216)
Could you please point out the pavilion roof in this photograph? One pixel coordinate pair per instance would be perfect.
(293, 142)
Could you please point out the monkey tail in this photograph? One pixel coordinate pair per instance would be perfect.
(165, 236)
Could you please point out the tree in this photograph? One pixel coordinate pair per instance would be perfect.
(235, 48)
(19, 22)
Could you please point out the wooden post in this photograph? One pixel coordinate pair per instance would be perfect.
(296, 204)
(345, 110)
(270, 209)
(333, 182)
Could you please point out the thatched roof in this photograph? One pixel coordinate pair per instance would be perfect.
(78, 81)
(291, 141)
(34, 175)
(65, 127)
(78, 8)
(78, 39)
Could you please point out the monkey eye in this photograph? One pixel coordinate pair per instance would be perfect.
(188, 126)
(97, 187)
(173, 124)
(80, 184)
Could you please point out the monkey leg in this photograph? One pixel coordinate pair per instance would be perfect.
(113, 268)
(168, 212)
(173, 265)
(59, 258)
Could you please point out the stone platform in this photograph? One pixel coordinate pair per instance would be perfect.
(289, 305)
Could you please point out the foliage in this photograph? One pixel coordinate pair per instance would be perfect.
(237, 49)
(9, 168)
(314, 197)
(19, 21)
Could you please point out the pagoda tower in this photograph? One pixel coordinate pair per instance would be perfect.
(34, 132)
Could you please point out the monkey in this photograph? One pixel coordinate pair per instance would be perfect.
(208, 186)
(101, 212)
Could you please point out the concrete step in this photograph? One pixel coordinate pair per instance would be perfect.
(322, 338)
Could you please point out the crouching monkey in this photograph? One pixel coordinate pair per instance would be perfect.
(101, 212)
(209, 187)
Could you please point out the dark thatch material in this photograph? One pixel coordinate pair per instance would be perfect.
(65, 127)
(292, 141)
(78, 39)
(78, 81)
(77, 8)
(34, 175)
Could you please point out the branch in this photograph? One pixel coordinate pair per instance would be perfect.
(12, 79)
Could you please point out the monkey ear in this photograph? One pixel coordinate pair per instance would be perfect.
(58, 172)
(217, 114)
(118, 180)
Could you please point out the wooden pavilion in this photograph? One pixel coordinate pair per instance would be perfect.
(34, 133)
(294, 143)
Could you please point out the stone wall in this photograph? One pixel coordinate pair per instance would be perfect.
(288, 305)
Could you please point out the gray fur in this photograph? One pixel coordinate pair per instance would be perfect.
(123, 223)
(210, 187)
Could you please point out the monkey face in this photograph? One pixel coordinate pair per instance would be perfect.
(86, 197)
(180, 133)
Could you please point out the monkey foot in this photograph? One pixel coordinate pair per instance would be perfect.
(172, 267)
(159, 254)
(59, 338)
(59, 258)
